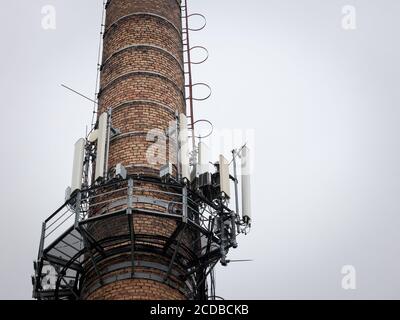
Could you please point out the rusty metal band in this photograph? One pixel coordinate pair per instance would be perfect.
(141, 264)
(145, 73)
(138, 46)
(136, 102)
(148, 14)
(135, 134)
(128, 135)
(121, 203)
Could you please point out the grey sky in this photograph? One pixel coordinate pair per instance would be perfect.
(324, 105)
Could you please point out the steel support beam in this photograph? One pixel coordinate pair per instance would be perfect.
(171, 264)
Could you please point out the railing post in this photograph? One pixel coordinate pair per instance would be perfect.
(41, 245)
(184, 204)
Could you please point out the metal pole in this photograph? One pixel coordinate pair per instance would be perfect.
(223, 238)
(233, 230)
(236, 181)
(41, 245)
(185, 205)
(178, 147)
(77, 209)
(86, 183)
(233, 218)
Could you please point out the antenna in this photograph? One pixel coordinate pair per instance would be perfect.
(224, 176)
(77, 169)
(242, 260)
(101, 146)
(203, 162)
(78, 93)
(93, 136)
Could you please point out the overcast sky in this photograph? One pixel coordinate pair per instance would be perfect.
(322, 101)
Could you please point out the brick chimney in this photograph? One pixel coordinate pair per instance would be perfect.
(143, 84)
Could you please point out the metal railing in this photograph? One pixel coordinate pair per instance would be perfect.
(66, 231)
(115, 197)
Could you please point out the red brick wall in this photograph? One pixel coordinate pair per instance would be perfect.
(142, 80)
(136, 290)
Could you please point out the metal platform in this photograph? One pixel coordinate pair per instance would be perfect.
(71, 246)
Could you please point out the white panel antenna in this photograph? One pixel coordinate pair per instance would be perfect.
(101, 146)
(184, 147)
(224, 176)
(246, 185)
(77, 169)
(203, 159)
